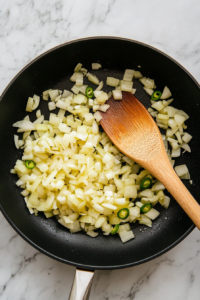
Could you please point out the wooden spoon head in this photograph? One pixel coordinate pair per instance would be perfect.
(132, 129)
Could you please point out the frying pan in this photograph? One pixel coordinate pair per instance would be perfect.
(53, 70)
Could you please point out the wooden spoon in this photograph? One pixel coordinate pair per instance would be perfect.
(132, 129)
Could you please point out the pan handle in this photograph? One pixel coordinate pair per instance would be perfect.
(82, 285)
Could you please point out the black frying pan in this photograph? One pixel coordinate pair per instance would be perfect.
(53, 70)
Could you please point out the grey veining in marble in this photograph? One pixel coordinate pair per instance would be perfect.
(28, 28)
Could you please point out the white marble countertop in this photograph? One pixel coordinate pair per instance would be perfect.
(28, 28)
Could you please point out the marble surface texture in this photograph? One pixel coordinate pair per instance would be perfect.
(28, 28)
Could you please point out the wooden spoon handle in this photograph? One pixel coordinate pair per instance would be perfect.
(185, 199)
(166, 174)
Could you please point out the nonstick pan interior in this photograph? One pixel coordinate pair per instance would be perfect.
(53, 70)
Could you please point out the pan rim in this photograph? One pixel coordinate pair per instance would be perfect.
(83, 266)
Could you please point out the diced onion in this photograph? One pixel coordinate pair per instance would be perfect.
(16, 140)
(112, 81)
(29, 106)
(152, 214)
(148, 91)
(186, 137)
(78, 67)
(38, 113)
(176, 153)
(126, 236)
(181, 170)
(104, 107)
(145, 220)
(97, 116)
(186, 147)
(179, 119)
(36, 102)
(96, 66)
(166, 93)
(117, 94)
(24, 125)
(166, 202)
(137, 75)
(93, 78)
(128, 75)
(79, 175)
(52, 105)
(158, 186)
(133, 91)
(92, 233)
(147, 82)
(79, 78)
(126, 85)
(46, 95)
(53, 94)
(100, 86)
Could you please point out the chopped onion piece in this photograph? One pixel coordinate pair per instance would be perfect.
(158, 186)
(186, 147)
(78, 67)
(145, 220)
(181, 170)
(24, 125)
(126, 85)
(16, 140)
(73, 77)
(182, 113)
(76, 89)
(172, 123)
(51, 105)
(92, 233)
(96, 66)
(158, 105)
(104, 107)
(110, 206)
(120, 201)
(79, 78)
(97, 116)
(111, 81)
(152, 214)
(171, 111)
(66, 94)
(133, 91)
(117, 94)
(36, 102)
(29, 106)
(176, 153)
(166, 202)
(100, 86)
(84, 71)
(54, 94)
(179, 119)
(147, 82)
(130, 192)
(166, 93)
(148, 91)
(126, 236)
(83, 89)
(137, 75)
(128, 75)
(38, 113)
(39, 120)
(46, 95)
(185, 176)
(102, 98)
(93, 78)
(186, 137)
